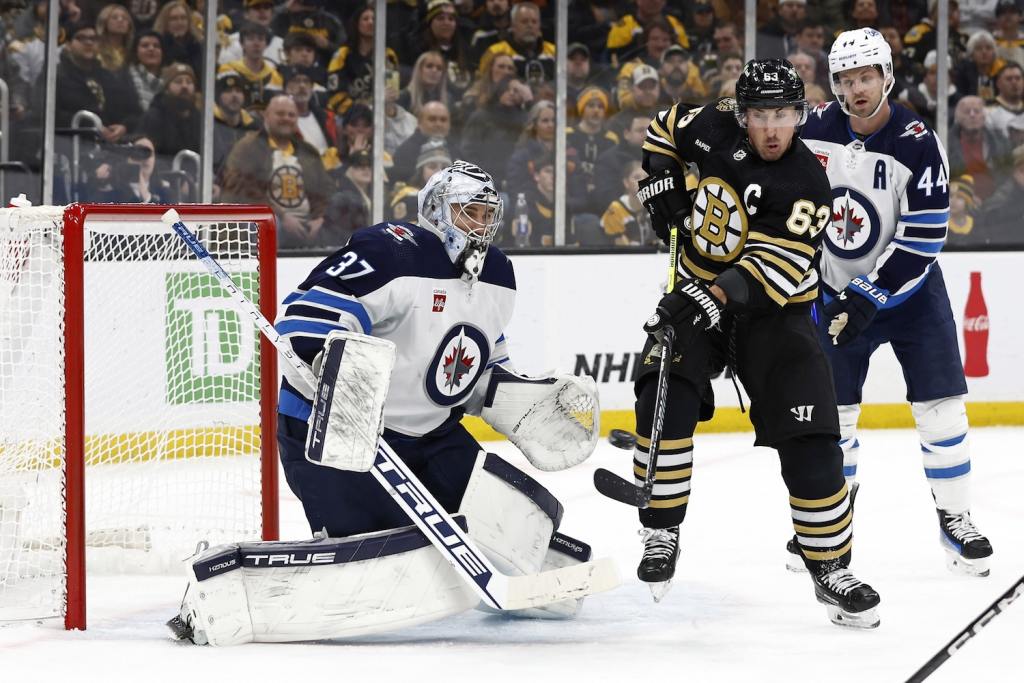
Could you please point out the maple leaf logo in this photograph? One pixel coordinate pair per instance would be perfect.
(847, 223)
(457, 365)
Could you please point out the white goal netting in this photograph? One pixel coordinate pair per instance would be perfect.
(171, 398)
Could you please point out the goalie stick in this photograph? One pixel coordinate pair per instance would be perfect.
(951, 648)
(495, 589)
(607, 482)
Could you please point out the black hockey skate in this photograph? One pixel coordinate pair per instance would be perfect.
(658, 565)
(849, 601)
(967, 551)
(794, 559)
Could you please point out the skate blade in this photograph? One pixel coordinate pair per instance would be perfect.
(866, 619)
(962, 566)
(659, 589)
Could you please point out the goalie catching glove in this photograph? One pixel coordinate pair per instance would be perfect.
(690, 308)
(664, 196)
(554, 421)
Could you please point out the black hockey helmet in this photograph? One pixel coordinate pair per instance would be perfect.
(769, 84)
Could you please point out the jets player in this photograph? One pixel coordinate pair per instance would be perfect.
(443, 295)
(746, 284)
(882, 284)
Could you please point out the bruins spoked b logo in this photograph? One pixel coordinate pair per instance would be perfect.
(720, 223)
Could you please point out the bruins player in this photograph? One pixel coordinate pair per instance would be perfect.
(746, 283)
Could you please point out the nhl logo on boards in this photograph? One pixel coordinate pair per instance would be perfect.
(440, 297)
(740, 155)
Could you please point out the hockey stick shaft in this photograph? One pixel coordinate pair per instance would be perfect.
(1015, 591)
(494, 588)
(611, 484)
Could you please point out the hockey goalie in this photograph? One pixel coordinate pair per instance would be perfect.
(403, 328)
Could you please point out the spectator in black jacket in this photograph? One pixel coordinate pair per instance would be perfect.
(230, 119)
(182, 39)
(490, 134)
(82, 84)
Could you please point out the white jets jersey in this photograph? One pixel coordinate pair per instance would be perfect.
(395, 281)
(890, 200)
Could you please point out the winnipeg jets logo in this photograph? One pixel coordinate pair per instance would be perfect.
(456, 365)
(855, 226)
(915, 128)
(400, 233)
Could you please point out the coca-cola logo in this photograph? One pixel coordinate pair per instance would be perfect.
(976, 324)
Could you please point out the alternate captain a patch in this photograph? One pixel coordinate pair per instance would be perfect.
(456, 365)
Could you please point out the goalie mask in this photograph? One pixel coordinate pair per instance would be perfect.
(459, 203)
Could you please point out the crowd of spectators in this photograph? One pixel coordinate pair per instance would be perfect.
(293, 123)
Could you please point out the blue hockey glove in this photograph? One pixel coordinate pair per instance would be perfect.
(690, 308)
(850, 313)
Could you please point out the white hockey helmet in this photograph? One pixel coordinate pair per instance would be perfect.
(443, 204)
(857, 48)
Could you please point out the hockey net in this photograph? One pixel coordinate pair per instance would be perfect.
(124, 364)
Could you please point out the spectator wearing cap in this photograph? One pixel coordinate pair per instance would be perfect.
(262, 79)
(777, 38)
(973, 148)
(433, 122)
(145, 62)
(82, 83)
(701, 31)
(492, 131)
(440, 32)
(590, 138)
(399, 122)
(642, 97)
(657, 38)
(962, 208)
(1009, 101)
(1002, 223)
(577, 72)
(300, 50)
(179, 31)
(923, 97)
(680, 78)
(315, 125)
(311, 18)
(921, 38)
(976, 74)
(174, 121)
(230, 119)
(1007, 32)
(534, 57)
(274, 165)
(405, 200)
(257, 12)
(492, 27)
(626, 37)
(428, 83)
(349, 207)
(350, 71)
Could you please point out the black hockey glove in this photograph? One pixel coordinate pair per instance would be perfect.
(665, 197)
(690, 308)
(853, 309)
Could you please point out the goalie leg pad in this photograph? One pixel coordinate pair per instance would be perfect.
(563, 551)
(323, 588)
(554, 421)
(352, 385)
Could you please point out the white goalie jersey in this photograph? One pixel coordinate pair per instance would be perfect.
(890, 200)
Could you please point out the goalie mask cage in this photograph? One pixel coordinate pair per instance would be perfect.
(137, 406)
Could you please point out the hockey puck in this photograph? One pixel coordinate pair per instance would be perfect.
(620, 438)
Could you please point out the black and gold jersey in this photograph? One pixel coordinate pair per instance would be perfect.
(765, 218)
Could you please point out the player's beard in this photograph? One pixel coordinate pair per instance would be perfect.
(865, 110)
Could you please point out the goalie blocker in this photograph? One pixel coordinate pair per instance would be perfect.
(345, 587)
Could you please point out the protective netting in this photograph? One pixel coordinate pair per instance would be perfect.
(172, 414)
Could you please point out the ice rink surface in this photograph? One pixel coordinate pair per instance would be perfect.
(734, 612)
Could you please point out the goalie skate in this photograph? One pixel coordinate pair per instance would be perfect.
(658, 564)
(848, 600)
(967, 550)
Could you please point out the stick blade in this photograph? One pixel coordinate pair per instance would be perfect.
(565, 583)
(615, 487)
